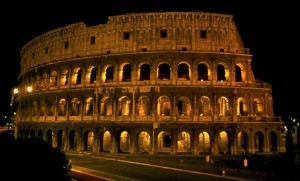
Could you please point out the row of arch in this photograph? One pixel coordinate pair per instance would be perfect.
(142, 106)
(125, 73)
(142, 141)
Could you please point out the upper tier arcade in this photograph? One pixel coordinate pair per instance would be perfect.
(132, 33)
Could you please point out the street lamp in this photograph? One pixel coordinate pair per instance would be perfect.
(12, 101)
(12, 108)
(29, 89)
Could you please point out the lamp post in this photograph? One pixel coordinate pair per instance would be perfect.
(12, 101)
(298, 135)
(12, 107)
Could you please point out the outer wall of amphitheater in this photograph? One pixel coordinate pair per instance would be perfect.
(168, 82)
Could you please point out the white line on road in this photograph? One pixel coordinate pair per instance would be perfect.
(89, 171)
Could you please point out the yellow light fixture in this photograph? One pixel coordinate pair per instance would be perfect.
(29, 89)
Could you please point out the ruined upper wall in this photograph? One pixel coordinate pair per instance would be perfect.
(130, 33)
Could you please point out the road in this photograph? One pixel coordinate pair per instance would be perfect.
(121, 170)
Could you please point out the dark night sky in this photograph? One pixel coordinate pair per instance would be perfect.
(267, 28)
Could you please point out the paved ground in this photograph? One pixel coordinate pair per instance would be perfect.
(78, 176)
(222, 164)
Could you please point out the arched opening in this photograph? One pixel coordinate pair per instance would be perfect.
(32, 133)
(164, 142)
(60, 139)
(204, 142)
(259, 142)
(89, 106)
(144, 72)
(62, 107)
(258, 107)
(50, 106)
(40, 134)
(44, 79)
(224, 107)
(34, 108)
(124, 106)
(126, 74)
(238, 74)
(167, 141)
(76, 76)
(106, 107)
(42, 108)
(164, 71)
(26, 134)
(79, 77)
(64, 77)
(73, 140)
(183, 142)
(124, 142)
(106, 141)
(223, 142)
(93, 75)
(109, 74)
(202, 72)
(53, 79)
(242, 107)
(184, 106)
(90, 75)
(221, 73)
(49, 137)
(144, 142)
(75, 107)
(163, 106)
(144, 106)
(183, 71)
(243, 142)
(204, 106)
(88, 141)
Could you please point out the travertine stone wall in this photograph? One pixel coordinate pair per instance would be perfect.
(183, 33)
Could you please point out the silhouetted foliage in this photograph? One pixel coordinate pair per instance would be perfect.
(32, 159)
(289, 141)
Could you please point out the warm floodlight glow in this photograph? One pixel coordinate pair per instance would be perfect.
(29, 89)
(16, 91)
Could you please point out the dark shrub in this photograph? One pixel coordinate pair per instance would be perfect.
(33, 159)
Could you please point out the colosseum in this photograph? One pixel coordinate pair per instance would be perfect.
(151, 83)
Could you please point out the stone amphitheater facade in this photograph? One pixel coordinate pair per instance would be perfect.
(161, 82)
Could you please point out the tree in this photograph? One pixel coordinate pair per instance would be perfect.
(292, 128)
(289, 141)
(33, 159)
